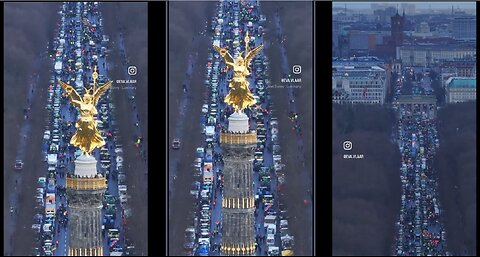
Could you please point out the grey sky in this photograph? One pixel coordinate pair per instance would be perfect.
(419, 5)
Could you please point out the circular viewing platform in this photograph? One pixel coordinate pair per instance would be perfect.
(78, 183)
(238, 138)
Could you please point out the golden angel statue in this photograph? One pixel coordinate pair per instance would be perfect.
(239, 96)
(87, 136)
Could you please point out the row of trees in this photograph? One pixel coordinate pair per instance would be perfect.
(455, 162)
(366, 192)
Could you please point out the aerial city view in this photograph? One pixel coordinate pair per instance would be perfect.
(75, 170)
(240, 171)
(404, 128)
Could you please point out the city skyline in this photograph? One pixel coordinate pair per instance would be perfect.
(419, 5)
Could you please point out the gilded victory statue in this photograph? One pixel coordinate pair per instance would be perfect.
(239, 95)
(87, 137)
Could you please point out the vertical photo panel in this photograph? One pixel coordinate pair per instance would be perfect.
(240, 128)
(75, 129)
(404, 128)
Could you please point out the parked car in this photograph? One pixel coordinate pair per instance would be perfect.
(18, 164)
(176, 143)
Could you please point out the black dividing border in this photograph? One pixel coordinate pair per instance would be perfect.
(158, 70)
(323, 113)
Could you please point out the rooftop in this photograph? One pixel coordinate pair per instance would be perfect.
(461, 82)
(358, 72)
(451, 46)
(367, 63)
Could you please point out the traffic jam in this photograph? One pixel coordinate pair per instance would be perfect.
(78, 50)
(420, 231)
(203, 238)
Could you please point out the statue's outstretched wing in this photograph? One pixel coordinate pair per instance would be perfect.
(99, 92)
(73, 95)
(225, 54)
(252, 54)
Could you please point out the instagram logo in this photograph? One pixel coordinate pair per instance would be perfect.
(297, 69)
(132, 70)
(347, 145)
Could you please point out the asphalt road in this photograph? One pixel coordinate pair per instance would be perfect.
(181, 203)
(187, 128)
(295, 189)
(22, 20)
(18, 230)
(118, 21)
(137, 180)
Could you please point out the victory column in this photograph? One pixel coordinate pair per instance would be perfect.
(238, 144)
(86, 188)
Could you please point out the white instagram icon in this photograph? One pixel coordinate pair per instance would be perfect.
(297, 69)
(347, 145)
(132, 70)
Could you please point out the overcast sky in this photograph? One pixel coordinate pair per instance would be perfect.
(419, 5)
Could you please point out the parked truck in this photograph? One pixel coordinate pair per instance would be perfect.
(270, 221)
(50, 209)
(208, 178)
(58, 67)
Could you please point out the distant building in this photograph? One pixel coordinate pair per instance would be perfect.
(422, 30)
(465, 28)
(446, 74)
(335, 35)
(466, 67)
(359, 40)
(442, 31)
(397, 23)
(358, 80)
(457, 68)
(397, 66)
(343, 45)
(460, 89)
(387, 45)
(429, 54)
(381, 14)
(343, 17)
(364, 43)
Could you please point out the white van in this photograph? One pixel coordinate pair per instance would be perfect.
(122, 189)
(203, 240)
(47, 228)
(50, 209)
(204, 232)
(46, 136)
(204, 194)
(270, 240)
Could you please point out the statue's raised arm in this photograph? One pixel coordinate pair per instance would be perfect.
(73, 95)
(227, 58)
